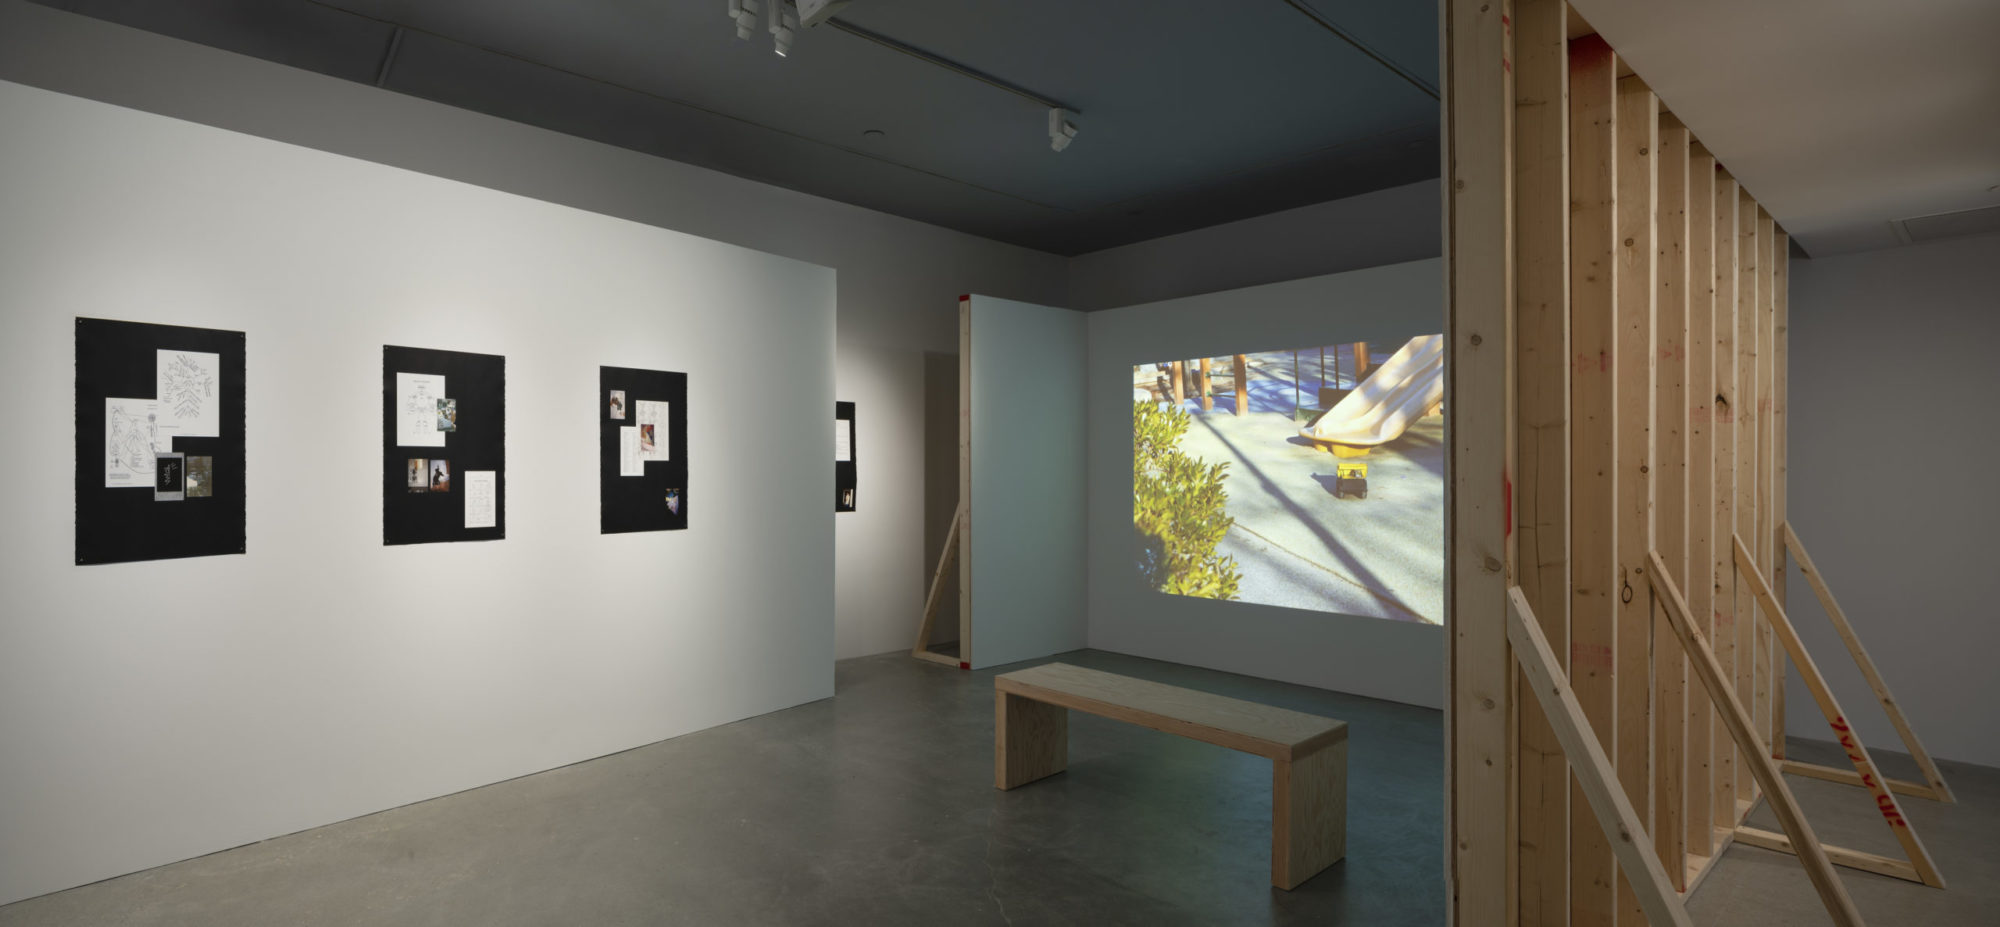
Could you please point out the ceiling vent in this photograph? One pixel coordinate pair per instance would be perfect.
(1982, 221)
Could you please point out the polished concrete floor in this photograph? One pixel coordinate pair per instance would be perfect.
(877, 807)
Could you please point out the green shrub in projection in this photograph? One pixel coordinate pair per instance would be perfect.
(1177, 509)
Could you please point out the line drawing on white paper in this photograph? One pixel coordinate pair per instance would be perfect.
(188, 386)
(416, 409)
(131, 435)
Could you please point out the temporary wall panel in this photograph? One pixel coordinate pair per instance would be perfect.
(160, 710)
(1022, 562)
(1394, 660)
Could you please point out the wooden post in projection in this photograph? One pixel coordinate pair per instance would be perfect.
(1207, 395)
(1920, 868)
(1670, 519)
(1933, 787)
(1541, 481)
(1479, 323)
(1637, 137)
(1179, 377)
(1360, 361)
(1819, 869)
(1704, 732)
(1240, 368)
(1657, 901)
(1594, 470)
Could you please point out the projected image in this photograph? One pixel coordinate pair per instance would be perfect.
(1310, 478)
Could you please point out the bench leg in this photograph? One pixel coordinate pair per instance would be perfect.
(1030, 740)
(1308, 814)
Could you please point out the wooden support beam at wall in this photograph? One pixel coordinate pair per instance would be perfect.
(1781, 275)
(1751, 648)
(1671, 727)
(1732, 783)
(1594, 510)
(1832, 893)
(1864, 763)
(1239, 368)
(946, 560)
(1659, 902)
(1763, 542)
(965, 481)
(1934, 787)
(1637, 134)
(1703, 730)
(1541, 476)
(1478, 169)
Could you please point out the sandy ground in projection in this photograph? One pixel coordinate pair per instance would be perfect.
(1295, 543)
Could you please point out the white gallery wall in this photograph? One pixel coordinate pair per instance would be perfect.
(1025, 562)
(160, 710)
(1394, 660)
(1892, 487)
(899, 281)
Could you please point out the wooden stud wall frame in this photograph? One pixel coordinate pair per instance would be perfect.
(1617, 310)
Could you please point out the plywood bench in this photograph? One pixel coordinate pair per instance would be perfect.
(1308, 753)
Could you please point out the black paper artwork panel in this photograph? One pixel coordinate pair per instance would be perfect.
(642, 453)
(444, 446)
(843, 457)
(159, 442)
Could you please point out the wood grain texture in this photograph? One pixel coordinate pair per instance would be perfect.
(946, 560)
(1833, 894)
(1731, 781)
(1850, 777)
(1030, 739)
(1660, 903)
(1866, 663)
(1541, 482)
(1635, 318)
(1780, 371)
(1308, 814)
(1265, 730)
(1670, 514)
(1702, 740)
(1750, 675)
(1479, 316)
(1839, 856)
(1844, 734)
(1594, 471)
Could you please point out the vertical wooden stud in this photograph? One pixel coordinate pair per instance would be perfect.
(1702, 740)
(1594, 579)
(1670, 518)
(1541, 506)
(1750, 674)
(1637, 138)
(1781, 262)
(1773, 664)
(1479, 260)
(1731, 782)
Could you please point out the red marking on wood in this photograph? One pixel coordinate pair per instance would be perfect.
(1602, 361)
(1698, 415)
(1506, 65)
(1598, 655)
(964, 665)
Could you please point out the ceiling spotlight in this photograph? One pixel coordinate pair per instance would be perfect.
(745, 14)
(784, 24)
(1062, 128)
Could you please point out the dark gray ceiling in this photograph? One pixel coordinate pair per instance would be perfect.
(1194, 112)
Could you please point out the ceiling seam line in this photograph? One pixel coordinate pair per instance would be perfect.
(1351, 39)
